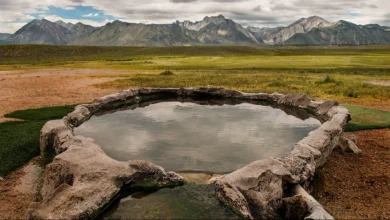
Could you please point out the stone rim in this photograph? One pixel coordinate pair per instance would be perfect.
(242, 189)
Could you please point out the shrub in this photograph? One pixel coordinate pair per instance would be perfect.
(352, 93)
(167, 73)
(328, 79)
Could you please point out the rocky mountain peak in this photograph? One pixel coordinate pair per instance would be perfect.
(65, 25)
(215, 19)
(214, 30)
(201, 24)
(314, 22)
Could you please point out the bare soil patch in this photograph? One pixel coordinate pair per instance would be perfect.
(40, 88)
(354, 186)
(383, 105)
(19, 190)
(380, 82)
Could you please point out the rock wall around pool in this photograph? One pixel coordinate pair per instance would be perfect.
(82, 180)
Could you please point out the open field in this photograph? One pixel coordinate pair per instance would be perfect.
(41, 76)
(343, 87)
(344, 73)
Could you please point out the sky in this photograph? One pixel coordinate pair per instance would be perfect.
(259, 13)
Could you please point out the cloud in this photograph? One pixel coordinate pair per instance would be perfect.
(257, 8)
(183, 1)
(74, 21)
(247, 12)
(91, 15)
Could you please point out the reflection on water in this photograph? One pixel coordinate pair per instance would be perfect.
(186, 202)
(191, 137)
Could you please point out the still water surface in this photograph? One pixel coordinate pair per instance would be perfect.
(190, 137)
(186, 202)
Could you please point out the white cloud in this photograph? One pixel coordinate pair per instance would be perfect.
(74, 21)
(91, 15)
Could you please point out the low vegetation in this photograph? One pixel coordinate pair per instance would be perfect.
(19, 140)
(342, 87)
(167, 73)
(196, 57)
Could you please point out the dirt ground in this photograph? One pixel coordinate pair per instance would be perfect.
(19, 190)
(38, 88)
(383, 105)
(380, 82)
(349, 186)
(354, 186)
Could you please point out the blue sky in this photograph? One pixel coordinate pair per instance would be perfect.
(77, 12)
(259, 13)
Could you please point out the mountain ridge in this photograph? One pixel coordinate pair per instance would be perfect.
(214, 30)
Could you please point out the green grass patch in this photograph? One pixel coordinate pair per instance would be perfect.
(42, 114)
(366, 118)
(19, 141)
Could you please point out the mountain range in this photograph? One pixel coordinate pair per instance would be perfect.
(215, 30)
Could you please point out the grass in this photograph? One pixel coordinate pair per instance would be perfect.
(221, 57)
(343, 87)
(19, 141)
(366, 118)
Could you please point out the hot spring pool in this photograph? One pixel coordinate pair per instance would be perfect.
(188, 137)
(186, 202)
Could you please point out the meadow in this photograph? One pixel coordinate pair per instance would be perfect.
(343, 73)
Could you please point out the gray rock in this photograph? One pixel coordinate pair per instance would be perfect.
(348, 143)
(326, 106)
(298, 100)
(315, 104)
(82, 179)
(78, 116)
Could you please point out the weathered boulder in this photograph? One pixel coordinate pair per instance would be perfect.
(78, 116)
(348, 143)
(298, 100)
(82, 179)
(326, 106)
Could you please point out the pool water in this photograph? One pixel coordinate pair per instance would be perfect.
(186, 202)
(186, 137)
